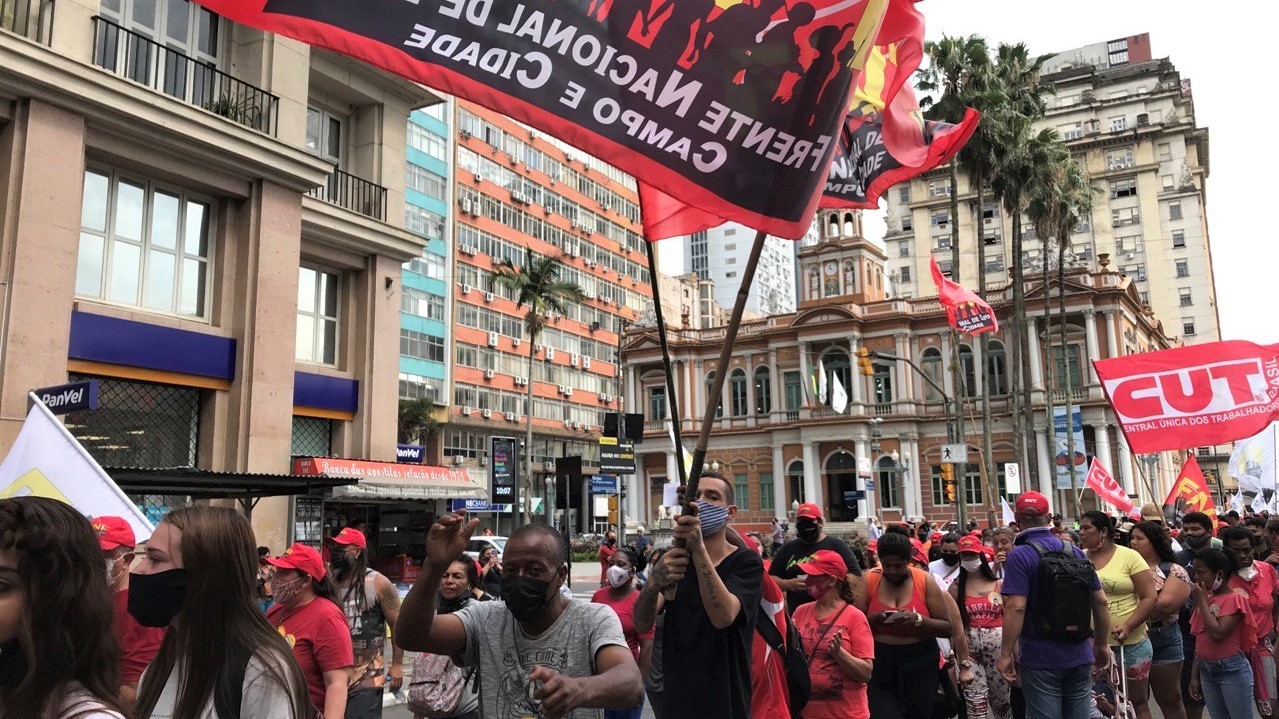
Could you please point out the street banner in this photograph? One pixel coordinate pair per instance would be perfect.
(47, 461)
(1062, 458)
(1254, 462)
(965, 311)
(733, 108)
(1103, 483)
(1189, 494)
(1194, 396)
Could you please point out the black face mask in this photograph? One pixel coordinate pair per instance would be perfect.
(448, 606)
(13, 663)
(950, 559)
(1196, 542)
(155, 599)
(808, 532)
(340, 562)
(527, 598)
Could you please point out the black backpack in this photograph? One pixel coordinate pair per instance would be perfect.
(797, 680)
(1063, 596)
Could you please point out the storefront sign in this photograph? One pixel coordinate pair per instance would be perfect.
(409, 453)
(504, 469)
(617, 456)
(392, 480)
(477, 506)
(73, 397)
(603, 485)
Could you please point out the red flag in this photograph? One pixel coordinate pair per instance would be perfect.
(1193, 396)
(1190, 494)
(965, 311)
(1100, 481)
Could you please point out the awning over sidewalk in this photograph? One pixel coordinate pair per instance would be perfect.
(210, 484)
(391, 480)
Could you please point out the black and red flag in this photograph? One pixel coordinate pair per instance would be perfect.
(965, 310)
(718, 106)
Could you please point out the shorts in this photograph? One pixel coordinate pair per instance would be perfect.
(1165, 641)
(1137, 659)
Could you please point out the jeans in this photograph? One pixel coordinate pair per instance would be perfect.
(624, 713)
(364, 704)
(1227, 687)
(1058, 693)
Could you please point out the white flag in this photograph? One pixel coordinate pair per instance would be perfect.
(1009, 517)
(838, 396)
(1258, 503)
(821, 381)
(688, 458)
(1236, 502)
(46, 461)
(1255, 462)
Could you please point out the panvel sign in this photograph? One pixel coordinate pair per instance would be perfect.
(735, 108)
(1193, 396)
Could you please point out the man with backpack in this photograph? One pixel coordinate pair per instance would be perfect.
(1055, 618)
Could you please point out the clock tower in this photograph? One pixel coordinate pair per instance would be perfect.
(843, 267)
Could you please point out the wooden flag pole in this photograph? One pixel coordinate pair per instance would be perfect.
(671, 400)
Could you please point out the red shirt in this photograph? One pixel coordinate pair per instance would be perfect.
(320, 638)
(138, 644)
(1223, 605)
(1261, 595)
(770, 696)
(986, 611)
(606, 553)
(625, 610)
(835, 695)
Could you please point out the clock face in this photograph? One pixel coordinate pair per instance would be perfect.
(831, 268)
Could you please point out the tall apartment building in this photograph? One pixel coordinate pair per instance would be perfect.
(719, 255)
(1129, 118)
(518, 189)
(208, 220)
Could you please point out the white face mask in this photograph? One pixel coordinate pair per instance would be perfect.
(1247, 573)
(618, 577)
(970, 565)
(1216, 584)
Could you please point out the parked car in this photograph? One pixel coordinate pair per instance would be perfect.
(479, 544)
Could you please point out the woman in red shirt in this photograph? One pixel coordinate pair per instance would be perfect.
(837, 641)
(1259, 581)
(307, 615)
(1221, 675)
(981, 609)
(620, 596)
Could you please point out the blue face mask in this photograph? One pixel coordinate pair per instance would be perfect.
(713, 517)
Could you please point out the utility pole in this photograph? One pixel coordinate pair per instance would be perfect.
(621, 432)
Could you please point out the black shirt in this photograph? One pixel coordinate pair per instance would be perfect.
(796, 552)
(707, 671)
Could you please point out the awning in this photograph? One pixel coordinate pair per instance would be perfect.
(210, 484)
(392, 480)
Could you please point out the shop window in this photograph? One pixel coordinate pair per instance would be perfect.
(312, 437)
(139, 424)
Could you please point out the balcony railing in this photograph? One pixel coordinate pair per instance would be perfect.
(143, 60)
(32, 20)
(1077, 394)
(354, 193)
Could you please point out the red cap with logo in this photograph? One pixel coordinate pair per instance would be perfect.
(808, 510)
(1032, 503)
(825, 562)
(113, 532)
(302, 558)
(351, 535)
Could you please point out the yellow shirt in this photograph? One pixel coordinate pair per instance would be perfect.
(1116, 582)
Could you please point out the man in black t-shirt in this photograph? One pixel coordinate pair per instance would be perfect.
(785, 567)
(709, 627)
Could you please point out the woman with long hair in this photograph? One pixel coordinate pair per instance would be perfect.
(491, 572)
(620, 596)
(219, 655)
(1172, 588)
(456, 592)
(1221, 675)
(372, 606)
(1130, 588)
(837, 641)
(307, 613)
(58, 656)
(1258, 580)
(981, 610)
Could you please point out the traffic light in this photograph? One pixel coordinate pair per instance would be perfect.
(863, 362)
(948, 481)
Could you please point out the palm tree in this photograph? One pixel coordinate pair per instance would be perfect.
(535, 283)
(417, 421)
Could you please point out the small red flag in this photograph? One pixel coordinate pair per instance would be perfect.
(965, 311)
(1190, 494)
(1103, 483)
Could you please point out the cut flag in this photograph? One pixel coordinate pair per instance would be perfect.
(1189, 494)
(965, 311)
(1103, 483)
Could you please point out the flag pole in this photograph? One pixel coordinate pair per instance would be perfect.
(672, 401)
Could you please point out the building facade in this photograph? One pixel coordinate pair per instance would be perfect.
(518, 189)
(207, 220)
(1130, 120)
(720, 254)
(782, 439)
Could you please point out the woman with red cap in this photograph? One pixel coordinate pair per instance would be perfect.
(981, 609)
(837, 641)
(307, 614)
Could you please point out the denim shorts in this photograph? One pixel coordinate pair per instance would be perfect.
(1165, 641)
(1137, 659)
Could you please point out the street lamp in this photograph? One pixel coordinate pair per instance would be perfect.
(715, 466)
(549, 501)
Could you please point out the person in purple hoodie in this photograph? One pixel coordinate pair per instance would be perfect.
(1056, 676)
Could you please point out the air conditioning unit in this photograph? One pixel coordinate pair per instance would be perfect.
(466, 289)
(458, 459)
(573, 359)
(577, 425)
(586, 362)
(548, 466)
(515, 341)
(595, 325)
(510, 416)
(486, 413)
(538, 348)
(488, 296)
(550, 353)
(466, 249)
(562, 389)
(568, 391)
(521, 381)
(466, 410)
(588, 295)
(568, 424)
(466, 134)
(479, 177)
(492, 339)
(488, 374)
(605, 398)
(466, 204)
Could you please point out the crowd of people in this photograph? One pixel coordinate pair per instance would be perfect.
(1045, 618)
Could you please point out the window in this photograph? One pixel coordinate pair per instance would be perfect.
(966, 363)
(932, 366)
(1126, 187)
(1127, 244)
(1183, 268)
(1117, 52)
(904, 193)
(424, 181)
(311, 437)
(1067, 364)
(742, 491)
(882, 378)
(1186, 300)
(887, 482)
(997, 369)
(317, 339)
(1174, 210)
(419, 138)
(423, 222)
(1137, 272)
(940, 218)
(710, 388)
(428, 265)
(903, 249)
(939, 188)
(1165, 151)
(908, 223)
(737, 392)
(767, 501)
(730, 247)
(1071, 131)
(143, 245)
(1178, 238)
(1119, 159)
(939, 488)
(422, 304)
(1125, 216)
(972, 485)
(176, 25)
(325, 134)
(436, 111)
(794, 390)
(656, 404)
(1188, 327)
(905, 275)
(730, 232)
(1167, 182)
(421, 346)
(763, 390)
(837, 367)
(1118, 124)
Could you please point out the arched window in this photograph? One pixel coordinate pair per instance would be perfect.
(932, 366)
(850, 229)
(710, 388)
(970, 372)
(763, 391)
(737, 392)
(795, 481)
(997, 369)
(890, 494)
(841, 482)
(832, 227)
(836, 364)
(883, 381)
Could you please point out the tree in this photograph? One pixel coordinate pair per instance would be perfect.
(417, 420)
(535, 284)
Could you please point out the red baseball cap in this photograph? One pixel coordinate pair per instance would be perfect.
(351, 535)
(917, 552)
(1032, 503)
(113, 532)
(302, 558)
(825, 562)
(808, 510)
(969, 543)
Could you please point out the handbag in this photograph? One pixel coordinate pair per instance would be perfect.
(436, 689)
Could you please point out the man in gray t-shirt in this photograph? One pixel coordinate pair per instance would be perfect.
(539, 655)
